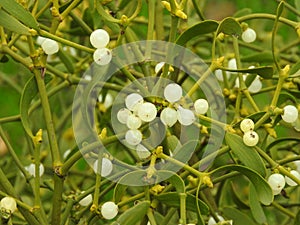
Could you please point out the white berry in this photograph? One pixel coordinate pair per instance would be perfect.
(102, 56)
(249, 35)
(159, 66)
(201, 106)
(147, 112)
(212, 221)
(290, 114)
(219, 74)
(106, 167)
(8, 204)
(133, 137)
(123, 114)
(50, 46)
(250, 138)
(142, 151)
(185, 116)
(168, 116)
(99, 38)
(40, 40)
(173, 92)
(86, 200)
(247, 125)
(276, 182)
(133, 100)
(109, 210)
(291, 182)
(255, 86)
(31, 169)
(232, 64)
(133, 122)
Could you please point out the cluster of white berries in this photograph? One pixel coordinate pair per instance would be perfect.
(212, 221)
(175, 112)
(49, 46)
(133, 115)
(99, 39)
(31, 169)
(139, 111)
(109, 210)
(8, 206)
(249, 35)
(290, 114)
(106, 167)
(250, 137)
(277, 181)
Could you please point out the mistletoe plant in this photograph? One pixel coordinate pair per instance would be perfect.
(149, 112)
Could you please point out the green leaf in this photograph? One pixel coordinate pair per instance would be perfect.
(246, 154)
(134, 214)
(295, 68)
(237, 216)
(256, 208)
(258, 57)
(265, 72)
(297, 219)
(297, 5)
(173, 178)
(10, 23)
(262, 188)
(230, 26)
(237, 199)
(256, 116)
(243, 12)
(67, 61)
(285, 97)
(20, 13)
(136, 177)
(204, 27)
(279, 140)
(172, 199)
(173, 143)
(29, 92)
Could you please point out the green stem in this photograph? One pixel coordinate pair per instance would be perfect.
(69, 9)
(283, 210)
(267, 16)
(182, 197)
(196, 86)
(181, 164)
(66, 42)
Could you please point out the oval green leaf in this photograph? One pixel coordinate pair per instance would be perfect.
(265, 72)
(204, 27)
(258, 57)
(20, 13)
(256, 208)
(10, 23)
(230, 26)
(134, 214)
(136, 177)
(29, 92)
(173, 178)
(262, 188)
(246, 154)
(237, 216)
